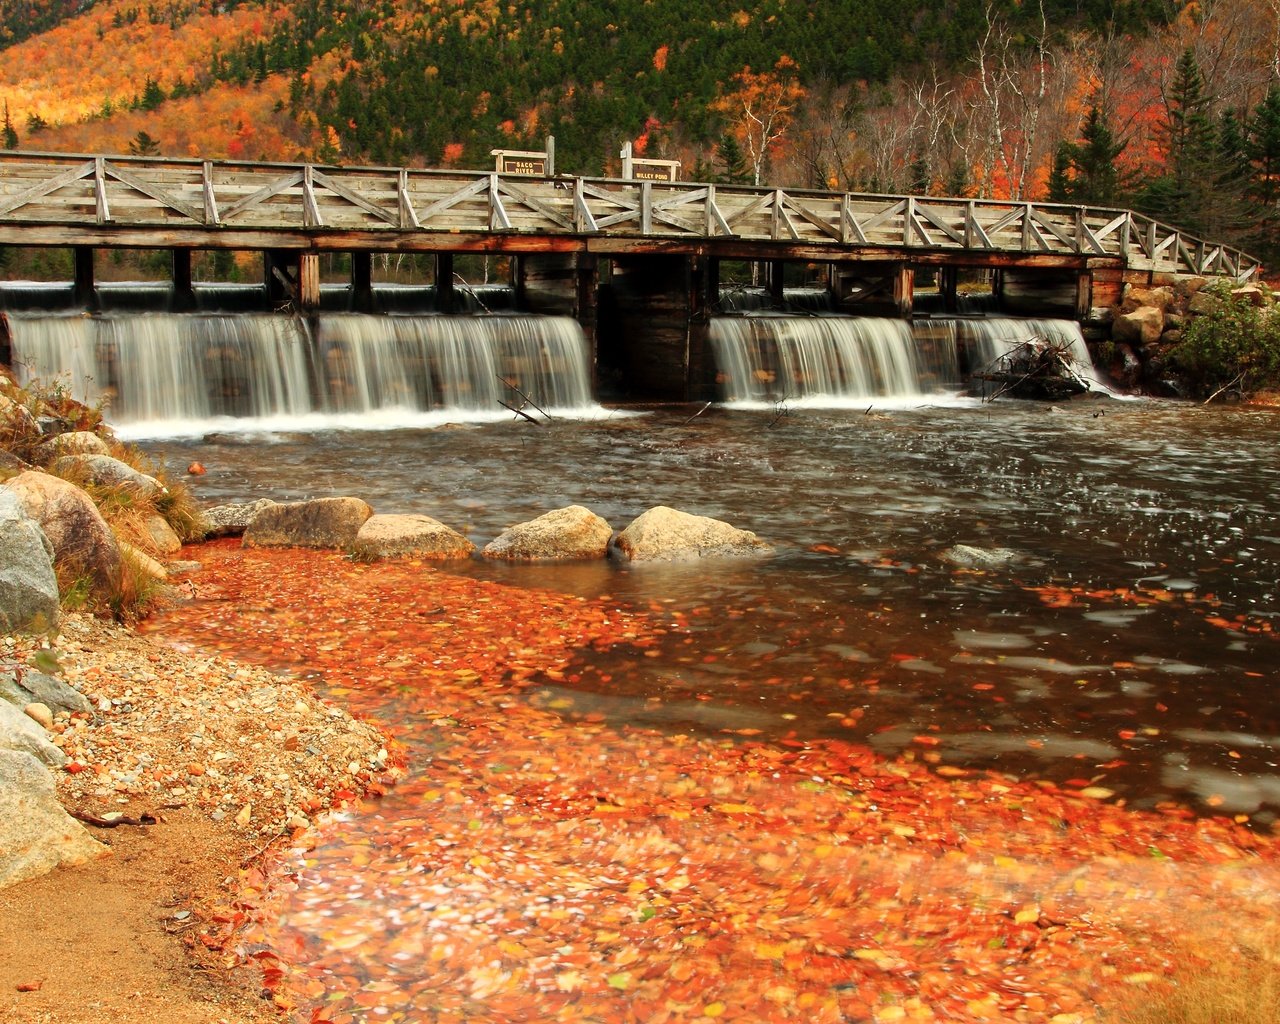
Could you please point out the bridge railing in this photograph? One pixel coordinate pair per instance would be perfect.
(154, 201)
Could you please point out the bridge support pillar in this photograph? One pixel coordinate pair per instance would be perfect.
(362, 281)
(659, 306)
(904, 289)
(446, 298)
(86, 296)
(948, 282)
(183, 299)
(292, 276)
(777, 276)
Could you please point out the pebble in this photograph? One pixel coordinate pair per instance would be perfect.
(165, 718)
(39, 713)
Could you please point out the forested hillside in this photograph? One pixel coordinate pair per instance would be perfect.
(1156, 103)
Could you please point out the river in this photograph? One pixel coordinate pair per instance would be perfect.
(1126, 634)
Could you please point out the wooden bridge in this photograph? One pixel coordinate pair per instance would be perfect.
(663, 241)
(53, 199)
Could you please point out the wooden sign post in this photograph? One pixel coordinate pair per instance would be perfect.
(527, 162)
(638, 169)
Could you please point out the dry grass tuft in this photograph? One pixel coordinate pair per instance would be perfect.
(1242, 987)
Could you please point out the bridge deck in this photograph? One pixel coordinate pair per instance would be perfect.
(55, 199)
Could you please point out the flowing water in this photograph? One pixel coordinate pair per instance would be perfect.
(1130, 633)
(1082, 593)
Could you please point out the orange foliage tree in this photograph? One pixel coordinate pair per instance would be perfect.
(761, 108)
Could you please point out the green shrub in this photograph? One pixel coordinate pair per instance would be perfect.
(1234, 347)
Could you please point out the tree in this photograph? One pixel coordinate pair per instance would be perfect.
(10, 133)
(143, 144)
(1086, 172)
(152, 94)
(761, 108)
(733, 165)
(1262, 149)
(1190, 147)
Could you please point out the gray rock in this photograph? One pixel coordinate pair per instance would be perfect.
(21, 686)
(233, 519)
(968, 557)
(82, 541)
(108, 472)
(666, 535)
(74, 442)
(567, 533)
(11, 462)
(18, 732)
(28, 586)
(396, 536)
(36, 833)
(320, 523)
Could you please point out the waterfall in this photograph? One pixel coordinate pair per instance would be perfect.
(831, 360)
(826, 359)
(982, 341)
(370, 363)
(169, 374)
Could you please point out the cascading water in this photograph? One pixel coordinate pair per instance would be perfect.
(370, 363)
(161, 373)
(825, 358)
(832, 360)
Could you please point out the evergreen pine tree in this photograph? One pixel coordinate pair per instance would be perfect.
(1097, 179)
(1060, 184)
(733, 165)
(1262, 148)
(10, 133)
(1190, 146)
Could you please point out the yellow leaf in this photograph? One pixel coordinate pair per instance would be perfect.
(1098, 792)
(1027, 915)
(1141, 978)
(733, 808)
(713, 1009)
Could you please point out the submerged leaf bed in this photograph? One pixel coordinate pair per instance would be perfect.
(539, 864)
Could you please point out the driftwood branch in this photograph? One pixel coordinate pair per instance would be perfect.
(112, 820)
(696, 415)
(1237, 379)
(520, 412)
(522, 394)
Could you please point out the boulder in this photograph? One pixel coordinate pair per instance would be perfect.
(666, 535)
(160, 536)
(1205, 302)
(567, 533)
(319, 523)
(21, 686)
(36, 833)
(74, 442)
(83, 543)
(968, 557)
(18, 732)
(143, 562)
(16, 420)
(1185, 287)
(233, 519)
(105, 471)
(28, 586)
(1252, 294)
(1143, 326)
(1135, 298)
(11, 462)
(417, 536)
